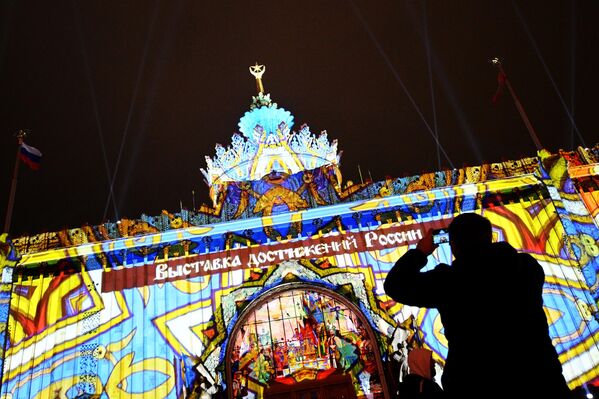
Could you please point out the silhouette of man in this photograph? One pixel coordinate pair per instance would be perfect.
(490, 302)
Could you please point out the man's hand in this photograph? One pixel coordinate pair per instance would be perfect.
(426, 244)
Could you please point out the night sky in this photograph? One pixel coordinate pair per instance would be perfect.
(142, 90)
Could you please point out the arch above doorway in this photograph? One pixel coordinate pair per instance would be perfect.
(303, 341)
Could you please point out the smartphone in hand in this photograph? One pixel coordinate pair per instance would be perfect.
(440, 236)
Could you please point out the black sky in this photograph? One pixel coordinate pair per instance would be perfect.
(166, 80)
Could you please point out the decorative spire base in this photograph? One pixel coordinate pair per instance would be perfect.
(262, 100)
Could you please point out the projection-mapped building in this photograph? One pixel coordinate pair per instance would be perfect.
(275, 288)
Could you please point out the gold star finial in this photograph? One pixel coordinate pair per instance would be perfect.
(258, 71)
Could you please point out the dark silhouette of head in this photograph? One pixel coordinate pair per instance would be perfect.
(469, 232)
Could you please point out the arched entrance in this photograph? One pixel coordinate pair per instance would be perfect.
(301, 341)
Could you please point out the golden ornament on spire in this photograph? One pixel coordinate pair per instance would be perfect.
(258, 71)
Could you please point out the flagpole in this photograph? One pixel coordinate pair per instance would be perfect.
(13, 187)
(531, 131)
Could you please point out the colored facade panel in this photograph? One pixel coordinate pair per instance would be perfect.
(70, 332)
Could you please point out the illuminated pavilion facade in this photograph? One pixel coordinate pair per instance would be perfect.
(275, 288)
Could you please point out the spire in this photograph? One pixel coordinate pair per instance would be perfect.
(258, 71)
(261, 99)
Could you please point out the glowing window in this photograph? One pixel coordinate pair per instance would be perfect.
(300, 335)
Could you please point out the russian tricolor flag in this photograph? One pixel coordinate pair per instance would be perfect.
(30, 156)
